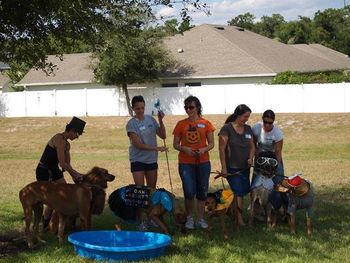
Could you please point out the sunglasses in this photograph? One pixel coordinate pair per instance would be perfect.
(189, 107)
(268, 122)
(266, 160)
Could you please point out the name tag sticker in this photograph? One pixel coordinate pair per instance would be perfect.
(142, 127)
(201, 125)
(248, 136)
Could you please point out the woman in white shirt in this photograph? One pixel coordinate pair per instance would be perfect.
(268, 137)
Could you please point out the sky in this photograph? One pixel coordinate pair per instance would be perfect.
(224, 10)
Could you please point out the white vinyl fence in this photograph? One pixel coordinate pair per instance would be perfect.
(215, 99)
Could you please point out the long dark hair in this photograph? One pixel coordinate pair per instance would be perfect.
(196, 101)
(240, 110)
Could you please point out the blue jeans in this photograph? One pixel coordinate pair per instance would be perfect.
(239, 182)
(280, 169)
(195, 180)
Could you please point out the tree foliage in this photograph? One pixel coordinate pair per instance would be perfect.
(330, 28)
(245, 20)
(172, 27)
(31, 30)
(134, 54)
(290, 77)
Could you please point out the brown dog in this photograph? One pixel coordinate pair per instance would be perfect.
(215, 209)
(259, 199)
(66, 199)
(298, 194)
(159, 203)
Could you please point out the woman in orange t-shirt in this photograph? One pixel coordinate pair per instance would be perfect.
(194, 138)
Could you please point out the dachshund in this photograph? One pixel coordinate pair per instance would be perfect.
(67, 200)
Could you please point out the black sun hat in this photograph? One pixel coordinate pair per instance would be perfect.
(77, 124)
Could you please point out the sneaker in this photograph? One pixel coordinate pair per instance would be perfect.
(189, 223)
(202, 224)
(151, 223)
(143, 226)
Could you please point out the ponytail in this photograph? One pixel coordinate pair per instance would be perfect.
(240, 110)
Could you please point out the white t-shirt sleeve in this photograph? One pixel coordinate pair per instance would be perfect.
(256, 129)
(278, 133)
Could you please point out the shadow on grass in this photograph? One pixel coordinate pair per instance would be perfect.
(329, 242)
(331, 232)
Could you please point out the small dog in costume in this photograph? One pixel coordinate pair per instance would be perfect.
(219, 204)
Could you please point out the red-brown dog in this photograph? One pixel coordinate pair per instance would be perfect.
(66, 199)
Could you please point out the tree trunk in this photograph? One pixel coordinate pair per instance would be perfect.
(126, 92)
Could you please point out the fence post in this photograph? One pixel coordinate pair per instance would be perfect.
(25, 101)
(86, 102)
(54, 102)
(302, 98)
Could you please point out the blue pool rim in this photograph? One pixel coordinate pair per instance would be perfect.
(103, 252)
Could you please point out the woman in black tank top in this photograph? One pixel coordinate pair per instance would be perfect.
(56, 158)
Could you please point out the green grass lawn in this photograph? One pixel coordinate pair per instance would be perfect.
(316, 144)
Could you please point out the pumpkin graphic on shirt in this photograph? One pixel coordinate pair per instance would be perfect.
(193, 136)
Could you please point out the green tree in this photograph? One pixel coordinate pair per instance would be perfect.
(26, 26)
(295, 32)
(269, 25)
(173, 26)
(132, 54)
(332, 29)
(245, 21)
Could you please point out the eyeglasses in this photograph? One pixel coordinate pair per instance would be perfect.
(267, 160)
(189, 107)
(268, 122)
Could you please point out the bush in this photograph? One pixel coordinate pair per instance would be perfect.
(291, 77)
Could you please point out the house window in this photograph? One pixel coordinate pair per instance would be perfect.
(169, 85)
(193, 84)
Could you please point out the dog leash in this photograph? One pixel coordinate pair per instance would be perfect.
(219, 174)
(167, 162)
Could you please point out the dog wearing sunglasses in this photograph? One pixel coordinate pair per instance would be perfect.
(261, 187)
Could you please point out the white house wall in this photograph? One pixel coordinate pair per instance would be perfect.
(95, 100)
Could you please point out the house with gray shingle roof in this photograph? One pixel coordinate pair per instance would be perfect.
(207, 55)
(231, 52)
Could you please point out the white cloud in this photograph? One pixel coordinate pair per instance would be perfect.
(166, 12)
(224, 10)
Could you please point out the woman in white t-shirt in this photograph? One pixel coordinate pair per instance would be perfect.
(268, 137)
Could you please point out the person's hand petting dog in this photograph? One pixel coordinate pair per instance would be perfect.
(77, 178)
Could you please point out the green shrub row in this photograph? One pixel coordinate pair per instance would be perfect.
(291, 77)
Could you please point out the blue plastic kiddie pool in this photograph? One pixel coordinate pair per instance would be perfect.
(119, 245)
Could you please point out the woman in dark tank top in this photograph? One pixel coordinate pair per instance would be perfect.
(56, 156)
